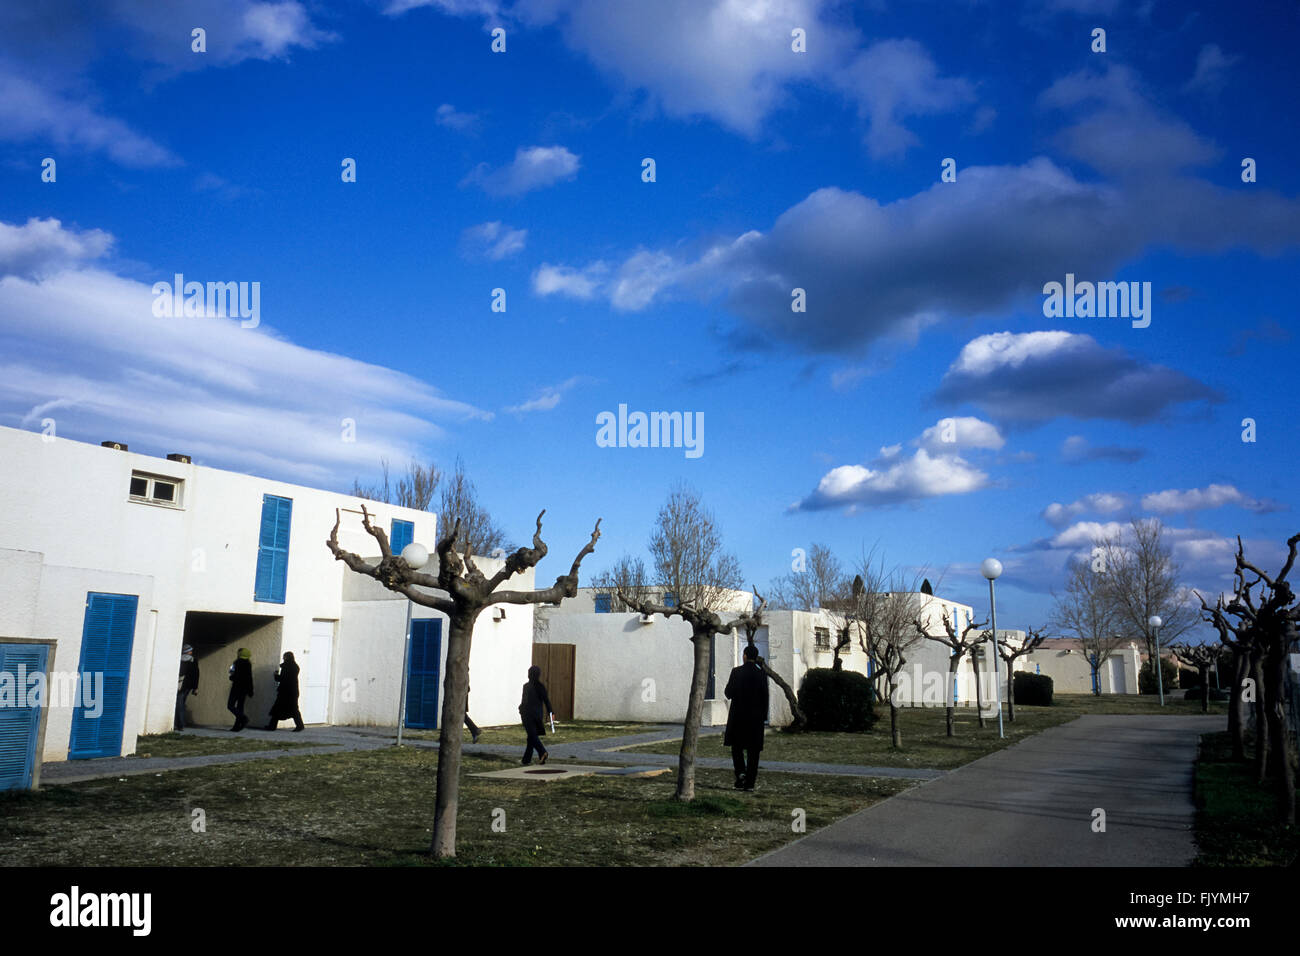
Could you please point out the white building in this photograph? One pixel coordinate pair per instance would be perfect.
(627, 667)
(1065, 660)
(110, 560)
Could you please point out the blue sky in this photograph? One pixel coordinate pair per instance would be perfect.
(774, 170)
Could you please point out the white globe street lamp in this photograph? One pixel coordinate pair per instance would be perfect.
(991, 569)
(1154, 622)
(416, 556)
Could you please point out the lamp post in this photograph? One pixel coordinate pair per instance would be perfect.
(991, 568)
(416, 556)
(1154, 622)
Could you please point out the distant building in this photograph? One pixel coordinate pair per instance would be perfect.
(1065, 660)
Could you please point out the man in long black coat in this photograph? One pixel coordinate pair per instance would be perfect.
(747, 691)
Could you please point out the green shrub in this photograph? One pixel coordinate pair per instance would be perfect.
(1147, 677)
(1034, 690)
(836, 700)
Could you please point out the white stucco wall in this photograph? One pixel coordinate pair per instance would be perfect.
(71, 527)
(1072, 674)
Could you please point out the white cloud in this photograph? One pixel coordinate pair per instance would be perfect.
(85, 342)
(1211, 69)
(41, 247)
(534, 167)
(448, 116)
(1098, 503)
(896, 480)
(960, 432)
(493, 241)
(562, 280)
(547, 398)
(1174, 501)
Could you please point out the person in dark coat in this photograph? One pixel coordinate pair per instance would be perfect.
(747, 691)
(534, 708)
(474, 732)
(187, 683)
(286, 695)
(241, 686)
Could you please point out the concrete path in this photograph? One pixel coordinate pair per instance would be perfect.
(1032, 804)
(608, 750)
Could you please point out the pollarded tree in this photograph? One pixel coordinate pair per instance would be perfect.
(466, 591)
(1202, 657)
(1272, 615)
(1088, 611)
(1239, 639)
(1009, 654)
(690, 564)
(960, 645)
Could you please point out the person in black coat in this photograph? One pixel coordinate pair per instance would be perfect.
(241, 686)
(747, 691)
(534, 708)
(187, 683)
(286, 695)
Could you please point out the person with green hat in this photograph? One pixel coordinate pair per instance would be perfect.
(241, 686)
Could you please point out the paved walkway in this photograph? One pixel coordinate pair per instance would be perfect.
(608, 750)
(1032, 804)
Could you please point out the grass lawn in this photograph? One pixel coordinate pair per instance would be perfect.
(566, 732)
(376, 808)
(925, 743)
(191, 745)
(1234, 816)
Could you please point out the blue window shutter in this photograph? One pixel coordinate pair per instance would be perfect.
(403, 533)
(670, 599)
(602, 603)
(19, 725)
(423, 677)
(273, 550)
(106, 639)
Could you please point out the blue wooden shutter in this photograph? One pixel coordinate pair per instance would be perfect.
(602, 603)
(403, 533)
(20, 724)
(106, 639)
(273, 550)
(422, 679)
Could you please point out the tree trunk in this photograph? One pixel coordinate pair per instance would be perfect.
(1279, 761)
(1236, 725)
(694, 712)
(1262, 741)
(1205, 688)
(1011, 693)
(895, 732)
(455, 688)
(979, 692)
(798, 721)
(949, 707)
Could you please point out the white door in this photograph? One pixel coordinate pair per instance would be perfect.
(316, 690)
(1117, 685)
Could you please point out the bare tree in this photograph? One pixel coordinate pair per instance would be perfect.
(414, 489)
(960, 645)
(465, 591)
(751, 624)
(1010, 654)
(821, 585)
(1142, 580)
(458, 503)
(689, 562)
(1239, 639)
(1272, 616)
(1202, 657)
(1088, 611)
(885, 607)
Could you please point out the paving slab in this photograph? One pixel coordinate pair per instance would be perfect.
(1033, 804)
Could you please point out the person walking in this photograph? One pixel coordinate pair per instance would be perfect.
(534, 708)
(286, 695)
(747, 691)
(241, 686)
(187, 683)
